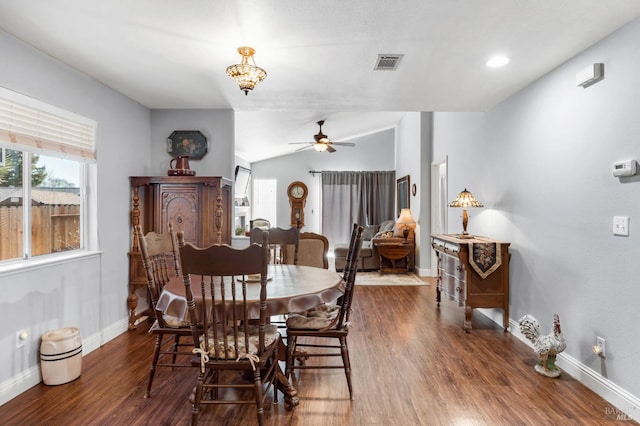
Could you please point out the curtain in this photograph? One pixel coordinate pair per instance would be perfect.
(365, 198)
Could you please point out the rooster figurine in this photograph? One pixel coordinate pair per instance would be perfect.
(546, 346)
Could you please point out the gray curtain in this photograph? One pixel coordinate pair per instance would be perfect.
(366, 198)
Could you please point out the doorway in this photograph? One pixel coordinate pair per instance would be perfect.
(265, 200)
(439, 197)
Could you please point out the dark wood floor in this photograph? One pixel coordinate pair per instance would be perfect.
(412, 364)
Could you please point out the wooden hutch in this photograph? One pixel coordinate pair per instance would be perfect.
(198, 206)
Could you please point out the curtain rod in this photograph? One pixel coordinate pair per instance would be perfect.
(313, 172)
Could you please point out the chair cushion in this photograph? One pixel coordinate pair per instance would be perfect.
(318, 318)
(174, 322)
(217, 348)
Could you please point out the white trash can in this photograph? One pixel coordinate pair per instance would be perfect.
(61, 356)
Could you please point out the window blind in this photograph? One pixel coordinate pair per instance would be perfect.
(31, 127)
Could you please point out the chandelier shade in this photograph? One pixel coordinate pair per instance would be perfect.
(246, 75)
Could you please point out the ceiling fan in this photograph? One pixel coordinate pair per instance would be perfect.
(321, 142)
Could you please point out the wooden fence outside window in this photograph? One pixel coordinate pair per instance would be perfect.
(55, 228)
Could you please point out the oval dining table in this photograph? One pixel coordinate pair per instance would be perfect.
(290, 288)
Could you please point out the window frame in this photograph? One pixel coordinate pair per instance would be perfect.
(87, 181)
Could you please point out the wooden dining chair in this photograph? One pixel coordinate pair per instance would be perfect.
(161, 261)
(259, 223)
(279, 240)
(312, 251)
(312, 334)
(229, 334)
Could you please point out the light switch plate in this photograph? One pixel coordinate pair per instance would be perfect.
(621, 225)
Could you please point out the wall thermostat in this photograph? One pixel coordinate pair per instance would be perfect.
(624, 168)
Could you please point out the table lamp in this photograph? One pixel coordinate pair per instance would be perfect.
(465, 199)
(406, 223)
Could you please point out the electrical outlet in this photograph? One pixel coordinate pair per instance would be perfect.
(21, 338)
(600, 344)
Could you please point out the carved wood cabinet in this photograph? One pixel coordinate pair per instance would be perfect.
(474, 272)
(198, 206)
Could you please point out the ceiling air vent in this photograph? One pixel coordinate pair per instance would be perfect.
(387, 62)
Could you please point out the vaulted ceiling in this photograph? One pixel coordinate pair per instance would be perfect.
(319, 55)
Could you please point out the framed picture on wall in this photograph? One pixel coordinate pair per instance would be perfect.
(402, 193)
(187, 142)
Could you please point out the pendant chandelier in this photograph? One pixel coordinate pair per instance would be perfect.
(246, 75)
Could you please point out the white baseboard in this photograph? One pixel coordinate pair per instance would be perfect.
(19, 383)
(624, 405)
(30, 377)
(424, 272)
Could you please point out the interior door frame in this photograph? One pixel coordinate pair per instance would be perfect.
(439, 197)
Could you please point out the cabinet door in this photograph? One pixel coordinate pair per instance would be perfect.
(179, 205)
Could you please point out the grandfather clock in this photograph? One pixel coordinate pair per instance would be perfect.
(297, 193)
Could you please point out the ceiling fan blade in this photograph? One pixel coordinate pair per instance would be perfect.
(330, 148)
(303, 148)
(344, 143)
(299, 143)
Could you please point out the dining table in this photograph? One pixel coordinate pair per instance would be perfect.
(290, 288)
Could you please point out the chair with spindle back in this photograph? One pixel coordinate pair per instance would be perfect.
(226, 333)
(161, 261)
(279, 240)
(325, 323)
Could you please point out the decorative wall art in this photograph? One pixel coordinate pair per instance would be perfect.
(190, 143)
(402, 193)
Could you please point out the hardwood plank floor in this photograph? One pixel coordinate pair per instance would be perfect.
(412, 365)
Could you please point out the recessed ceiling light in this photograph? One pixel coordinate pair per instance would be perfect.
(497, 61)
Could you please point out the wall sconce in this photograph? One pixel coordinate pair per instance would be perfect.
(465, 199)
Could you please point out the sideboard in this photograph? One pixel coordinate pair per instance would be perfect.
(474, 272)
(200, 207)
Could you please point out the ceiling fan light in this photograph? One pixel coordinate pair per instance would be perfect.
(246, 75)
(320, 147)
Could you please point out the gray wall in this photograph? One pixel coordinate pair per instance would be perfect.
(541, 163)
(372, 152)
(216, 125)
(413, 158)
(89, 293)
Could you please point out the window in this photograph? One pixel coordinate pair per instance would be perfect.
(46, 158)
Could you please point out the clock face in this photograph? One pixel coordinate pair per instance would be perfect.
(297, 191)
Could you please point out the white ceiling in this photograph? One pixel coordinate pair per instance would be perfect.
(319, 55)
